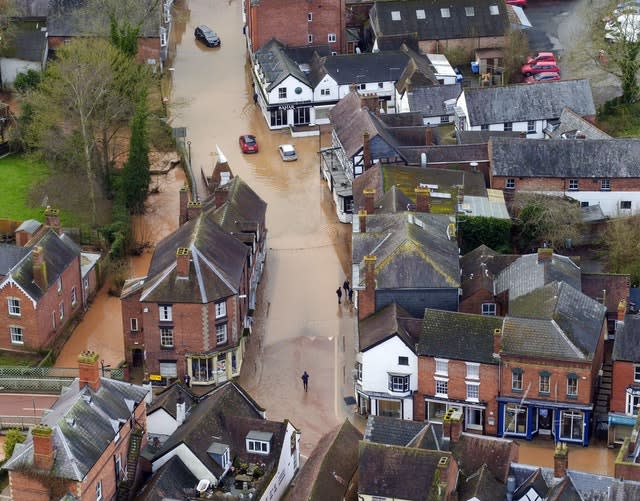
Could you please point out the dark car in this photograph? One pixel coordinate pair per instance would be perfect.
(207, 36)
(547, 76)
(248, 144)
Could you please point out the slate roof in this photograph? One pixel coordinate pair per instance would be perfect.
(348, 69)
(332, 464)
(434, 26)
(458, 336)
(391, 431)
(170, 482)
(84, 422)
(626, 346)
(554, 321)
(430, 100)
(382, 325)
(523, 102)
(527, 273)
(28, 43)
(394, 200)
(418, 72)
(473, 451)
(168, 398)
(59, 253)
(10, 255)
(276, 65)
(390, 471)
(571, 123)
(412, 250)
(30, 226)
(482, 136)
(480, 267)
(481, 485)
(570, 158)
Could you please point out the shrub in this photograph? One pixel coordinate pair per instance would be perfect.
(13, 437)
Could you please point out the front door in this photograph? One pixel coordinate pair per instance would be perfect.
(545, 421)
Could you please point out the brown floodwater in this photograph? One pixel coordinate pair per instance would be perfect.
(596, 458)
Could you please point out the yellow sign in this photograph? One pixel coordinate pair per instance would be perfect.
(155, 377)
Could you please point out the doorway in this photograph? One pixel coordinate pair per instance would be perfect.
(545, 421)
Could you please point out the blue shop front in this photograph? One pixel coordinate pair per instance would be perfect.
(529, 418)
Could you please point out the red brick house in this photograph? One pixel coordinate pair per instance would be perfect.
(296, 24)
(457, 369)
(40, 285)
(83, 445)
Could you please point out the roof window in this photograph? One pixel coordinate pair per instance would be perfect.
(395, 15)
(493, 10)
(444, 12)
(469, 11)
(420, 14)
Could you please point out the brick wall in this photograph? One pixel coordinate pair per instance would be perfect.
(470, 44)
(622, 376)
(562, 184)
(473, 303)
(132, 308)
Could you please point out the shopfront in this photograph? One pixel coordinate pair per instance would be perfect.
(473, 413)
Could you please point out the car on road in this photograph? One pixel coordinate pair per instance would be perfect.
(207, 36)
(531, 69)
(518, 3)
(287, 152)
(547, 76)
(543, 57)
(248, 143)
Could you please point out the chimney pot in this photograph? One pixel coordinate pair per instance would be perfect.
(560, 460)
(89, 371)
(194, 208)
(622, 309)
(497, 340)
(545, 254)
(53, 219)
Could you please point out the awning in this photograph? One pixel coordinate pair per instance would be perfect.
(523, 20)
(622, 419)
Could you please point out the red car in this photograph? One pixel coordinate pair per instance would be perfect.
(547, 76)
(543, 57)
(248, 144)
(519, 3)
(542, 67)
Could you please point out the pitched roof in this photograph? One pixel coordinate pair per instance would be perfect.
(276, 64)
(528, 273)
(482, 136)
(554, 321)
(170, 482)
(626, 346)
(27, 43)
(570, 158)
(10, 255)
(523, 102)
(472, 451)
(412, 249)
(368, 67)
(391, 431)
(616, 286)
(382, 325)
(168, 398)
(571, 124)
(481, 485)
(350, 121)
(480, 267)
(431, 24)
(84, 422)
(430, 100)
(327, 472)
(458, 336)
(418, 72)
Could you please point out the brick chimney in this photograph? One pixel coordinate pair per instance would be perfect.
(53, 219)
(182, 262)
(88, 364)
(39, 268)
(369, 196)
(545, 255)
(194, 208)
(452, 425)
(184, 200)
(366, 151)
(362, 220)
(497, 340)
(370, 102)
(367, 297)
(220, 196)
(560, 460)
(622, 309)
(43, 452)
(423, 199)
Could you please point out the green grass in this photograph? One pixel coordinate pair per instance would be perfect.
(622, 120)
(18, 175)
(21, 359)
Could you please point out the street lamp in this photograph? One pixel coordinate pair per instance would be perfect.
(189, 145)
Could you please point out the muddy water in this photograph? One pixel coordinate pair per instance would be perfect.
(596, 458)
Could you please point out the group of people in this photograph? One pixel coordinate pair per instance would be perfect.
(348, 292)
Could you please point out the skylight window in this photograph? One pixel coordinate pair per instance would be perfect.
(420, 14)
(469, 11)
(493, 10)
(395, 15)
(444, 12)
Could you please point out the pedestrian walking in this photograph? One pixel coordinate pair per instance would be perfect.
(351, 296)
(305, 380)
(345, 286)
(187, 380)
(339, 294)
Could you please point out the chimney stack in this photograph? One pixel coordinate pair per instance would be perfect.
(181, 410)
(43, 453)
(622, 309)
(497, 340)
(220, 196)
(362, 220)
(545, 255)
(367, 297)
(560, 460)
(366, 151)
(89, 370)
(182, 262)
(184, 200)
(423, 199)
(452, 425)
(39, 268)
(194, 209)
(53, 219)
(369, 195)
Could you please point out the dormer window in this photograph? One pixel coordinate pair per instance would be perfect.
(220, 454)
(259, 442)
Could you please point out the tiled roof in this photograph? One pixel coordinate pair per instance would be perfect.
(473, 451)
(365, 68)
(481, 485)
(276, 65)
(84, 422)
(168, 398)
(27, 43)
(626, 346)
(480, 267)
(382, 325)
(458, 336)
(412, 250)
(528, 273)
(170, 482)
(391, 431)
(10, 255)
(394, 200)
(243, 209)
(350, 121)
(571, 124)
(418, 72)
(554, 321)
(520, 103)
(569, 158)
(430, 100)
(483, 136)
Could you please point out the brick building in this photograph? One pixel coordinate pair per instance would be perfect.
(294, 23)
(40, 285)
(84, 443)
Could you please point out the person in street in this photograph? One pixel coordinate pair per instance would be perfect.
(187, 380)
(345, 286)
(339, 294)
(305, 380)
(351, 296)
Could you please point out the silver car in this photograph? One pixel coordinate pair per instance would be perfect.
(287, 152)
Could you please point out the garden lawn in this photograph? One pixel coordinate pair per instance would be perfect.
(17, 176)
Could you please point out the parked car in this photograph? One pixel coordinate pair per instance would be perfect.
(519, 3)
(548, 57)
(207, 36)
(547, 76)
(532, 69)
(287, 152)
(248, 144)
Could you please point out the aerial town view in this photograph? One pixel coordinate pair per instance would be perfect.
(356, 250)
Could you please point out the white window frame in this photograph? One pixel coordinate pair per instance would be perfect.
(61, 310)
(99, 490)
(440, 382)
(636, 373)
(74, 296)
(221, 309)
(573, 185)
(165, 312)
(309, 38)
(282, 93)
(258, 446)
(445, 12)
(469, 11)
(309, 17)
(631, 404)
(166, 335)
(544, 383)
(325, 92)
(489, 309)
(442, 366)
(531, 126)
(420, 14)
(474, 394)
(331, 38)
(605, 184)
(395, 15)
(510, 183)
(16, 334)
(168, 369)
(473, 370)
(520, 378)
(569, 393)
(13, 305)
(221, 333)
(133, 324)
(59, 283)
(402, 385)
